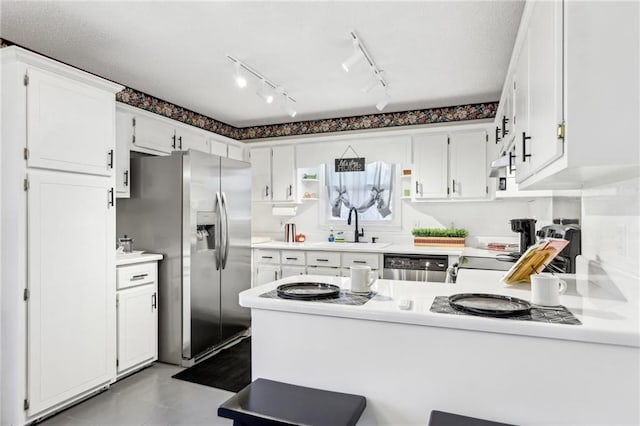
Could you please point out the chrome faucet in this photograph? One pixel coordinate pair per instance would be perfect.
(357, 234)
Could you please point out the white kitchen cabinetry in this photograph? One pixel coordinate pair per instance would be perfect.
(158, 135)
(218, 148)
(235, 152)
(188, 137)
(288, 271)
(137, 306)
(124, 136)
(70, 318)
(430, 159)
(82, 113)
(154, 134)
(273, 174)
(265, 274)
(58, 258)
(468, 166)
(567, 132)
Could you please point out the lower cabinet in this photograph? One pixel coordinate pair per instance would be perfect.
(265, 274)
(288, 271)
(137, 316)
(330, 271)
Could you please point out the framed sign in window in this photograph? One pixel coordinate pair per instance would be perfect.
(343, 165)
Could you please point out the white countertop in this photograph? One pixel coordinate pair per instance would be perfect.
(375, 248)
(136, 257)
(606, 317)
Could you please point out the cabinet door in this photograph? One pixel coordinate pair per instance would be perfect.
(137, 326)
(545, 83)
(154, 134)
(326, 271)
(218, 148)
(235, 152)
(71, 268)
(124, 136)
(261, 189)
(266, 274)
(70, 125)
(283, 172)
(430, 160)
(469, 165)
(521, 124)
(288, 271)
(191, 139)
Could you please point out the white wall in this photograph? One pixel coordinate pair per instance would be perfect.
(482, 219)
(611, 225)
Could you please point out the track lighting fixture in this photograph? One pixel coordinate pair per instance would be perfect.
(240, 80)
(268, 89)
(376, 79)
(266, 92)
(383, 102)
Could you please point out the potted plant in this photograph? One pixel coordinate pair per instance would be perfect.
(439, 237)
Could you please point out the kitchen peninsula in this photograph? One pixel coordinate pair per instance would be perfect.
(409, 362)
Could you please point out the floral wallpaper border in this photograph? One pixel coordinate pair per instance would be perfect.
(449, 114)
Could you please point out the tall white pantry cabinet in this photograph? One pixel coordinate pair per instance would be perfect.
(58, 228)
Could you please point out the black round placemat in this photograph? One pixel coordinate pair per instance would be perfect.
(494, 305)
(308, 291)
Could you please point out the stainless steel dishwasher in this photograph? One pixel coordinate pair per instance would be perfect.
(415, 267)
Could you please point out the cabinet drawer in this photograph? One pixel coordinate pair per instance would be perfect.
(134, 275)
(323, 258)
(268, 256)
(323, 270)
(352, 259)
(292, 258)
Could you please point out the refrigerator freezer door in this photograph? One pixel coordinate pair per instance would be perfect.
(236, 274)
(201, 245)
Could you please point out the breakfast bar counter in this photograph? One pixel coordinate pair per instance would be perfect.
(409, 362)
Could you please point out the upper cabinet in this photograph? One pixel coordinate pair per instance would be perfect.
(273, 174)
(576, 102)
(468, 165)
(450, 165)
(124, 134)
(79, 136)
(154, 134)
(430, 160)
(191, 138)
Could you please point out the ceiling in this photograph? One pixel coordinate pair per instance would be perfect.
(433, 53)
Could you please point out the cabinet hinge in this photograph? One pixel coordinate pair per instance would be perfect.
(447, 191)
(448, 140)
(133, 121)
(25, 185)
(486, 189)
(117, 362)
(25, 153)
(486, 137)
(561, 130)
(25, 80)
(26, 294)
(514, 85)
(25, 404)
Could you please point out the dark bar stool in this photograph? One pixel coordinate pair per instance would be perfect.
(267, 402)
(441, 418)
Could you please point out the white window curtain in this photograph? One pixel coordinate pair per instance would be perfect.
(370, 192)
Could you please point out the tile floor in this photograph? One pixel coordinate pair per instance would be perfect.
(149, 397)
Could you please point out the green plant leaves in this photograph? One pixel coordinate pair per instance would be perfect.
(440, 232)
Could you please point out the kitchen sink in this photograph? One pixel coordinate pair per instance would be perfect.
(363, 244)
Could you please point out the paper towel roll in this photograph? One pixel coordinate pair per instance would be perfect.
(284, 211)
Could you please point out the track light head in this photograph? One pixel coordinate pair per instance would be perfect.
(241, 81)
(383, 102)
(265, 92)
(287, 104)
(353, 59)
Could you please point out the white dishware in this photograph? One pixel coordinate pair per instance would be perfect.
(546, 289)
(362, 278)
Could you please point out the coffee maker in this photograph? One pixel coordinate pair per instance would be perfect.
(527, 230)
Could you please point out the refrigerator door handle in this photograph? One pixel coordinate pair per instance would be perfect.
(226, 231)
(218, 243)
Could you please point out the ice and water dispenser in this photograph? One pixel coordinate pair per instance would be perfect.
(206, 230)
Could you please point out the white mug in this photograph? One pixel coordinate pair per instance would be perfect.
(546, 289)
(362, 278)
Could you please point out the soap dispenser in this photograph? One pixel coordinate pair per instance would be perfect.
(331, 237)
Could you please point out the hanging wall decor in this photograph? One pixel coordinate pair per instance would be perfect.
(354, 164)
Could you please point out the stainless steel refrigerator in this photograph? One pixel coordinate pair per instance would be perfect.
(194, 208)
